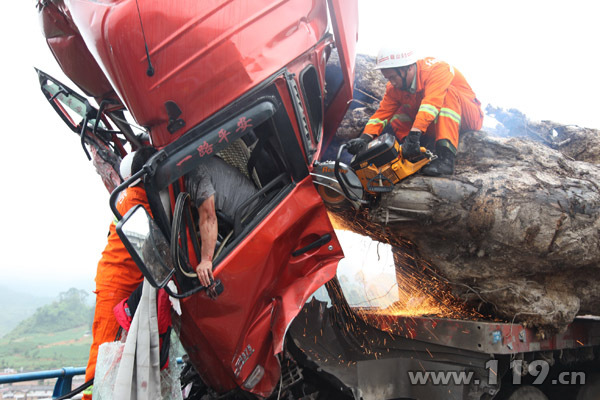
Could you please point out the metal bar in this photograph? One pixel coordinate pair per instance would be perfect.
(488, 337)
(39, 375)
(64, 375)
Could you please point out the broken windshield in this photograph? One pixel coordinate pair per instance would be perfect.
(371, 282)
(378, 278)
(72, 107)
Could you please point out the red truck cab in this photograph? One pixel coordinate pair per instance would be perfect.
(254, 83)
(244, 81)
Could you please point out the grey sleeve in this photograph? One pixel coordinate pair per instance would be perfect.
(199, 185)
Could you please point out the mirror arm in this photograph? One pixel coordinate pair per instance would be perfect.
(183, 295)
(99, 115)
(82, 134)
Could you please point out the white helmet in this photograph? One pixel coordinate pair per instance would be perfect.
(389, 57)
(125, 167)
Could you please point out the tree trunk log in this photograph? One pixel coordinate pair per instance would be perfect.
(517, 225)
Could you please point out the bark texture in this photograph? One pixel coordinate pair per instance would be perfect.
(518, 224)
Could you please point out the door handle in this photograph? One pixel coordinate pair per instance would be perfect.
(317, 243)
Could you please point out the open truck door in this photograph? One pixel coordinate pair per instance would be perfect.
(344, 20)
(274, 253)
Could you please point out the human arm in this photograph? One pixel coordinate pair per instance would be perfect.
(208, 236)
(436, 86)
(387, 107)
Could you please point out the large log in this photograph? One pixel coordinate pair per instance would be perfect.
(517, 226)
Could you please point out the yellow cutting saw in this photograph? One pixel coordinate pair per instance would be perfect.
(373, 171)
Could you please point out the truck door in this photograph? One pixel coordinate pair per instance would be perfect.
(281, 249)
(344, 19)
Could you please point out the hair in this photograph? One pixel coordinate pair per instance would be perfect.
(140, 158)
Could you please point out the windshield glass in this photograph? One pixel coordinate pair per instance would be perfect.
(384, 279)
(74, 108)
(371, 283)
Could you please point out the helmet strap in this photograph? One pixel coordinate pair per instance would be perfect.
(404, 83)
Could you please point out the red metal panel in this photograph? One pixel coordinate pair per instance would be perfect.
(344, 17)
(265, 288)
(205, 53)
(71, 53)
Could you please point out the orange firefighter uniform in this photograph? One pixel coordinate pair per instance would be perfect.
(440, 102)
(116, 278)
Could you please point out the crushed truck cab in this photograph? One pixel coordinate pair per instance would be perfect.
(243, 81)
(255, 84)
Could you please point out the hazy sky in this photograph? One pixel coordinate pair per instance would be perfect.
(537, 56)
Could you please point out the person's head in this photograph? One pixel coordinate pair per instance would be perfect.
(133, 162)
(398, 66)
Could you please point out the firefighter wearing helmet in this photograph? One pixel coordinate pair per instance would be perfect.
(117, 275)
(427, 103)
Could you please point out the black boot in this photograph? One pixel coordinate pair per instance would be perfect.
(443, 165)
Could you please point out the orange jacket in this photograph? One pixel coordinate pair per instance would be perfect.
(434, 77)
(116, 268)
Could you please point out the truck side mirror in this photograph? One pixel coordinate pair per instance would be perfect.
(147, 245)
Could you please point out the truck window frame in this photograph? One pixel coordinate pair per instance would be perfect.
(264, 108)
(313, 100)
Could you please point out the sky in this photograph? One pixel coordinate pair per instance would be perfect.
(537, 56)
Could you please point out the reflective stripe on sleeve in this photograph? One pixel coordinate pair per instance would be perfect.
(378, 121)
(448, 113)
(401, 118)
(429, 109)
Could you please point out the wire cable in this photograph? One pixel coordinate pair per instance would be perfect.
(77, 390)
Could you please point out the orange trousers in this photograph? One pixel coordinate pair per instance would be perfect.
(458, 114)
(105, 325)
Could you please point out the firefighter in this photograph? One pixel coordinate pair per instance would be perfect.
(426, 100)
(117, 275)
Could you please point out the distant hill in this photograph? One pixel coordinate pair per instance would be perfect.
(69, 311)
(43, 351)
(56, 335)
(17, 306)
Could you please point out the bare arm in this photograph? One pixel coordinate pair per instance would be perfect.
(208, 236)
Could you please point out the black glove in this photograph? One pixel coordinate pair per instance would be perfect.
(355, 146)
(412, 144)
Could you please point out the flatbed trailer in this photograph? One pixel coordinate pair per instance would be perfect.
(394, 357)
